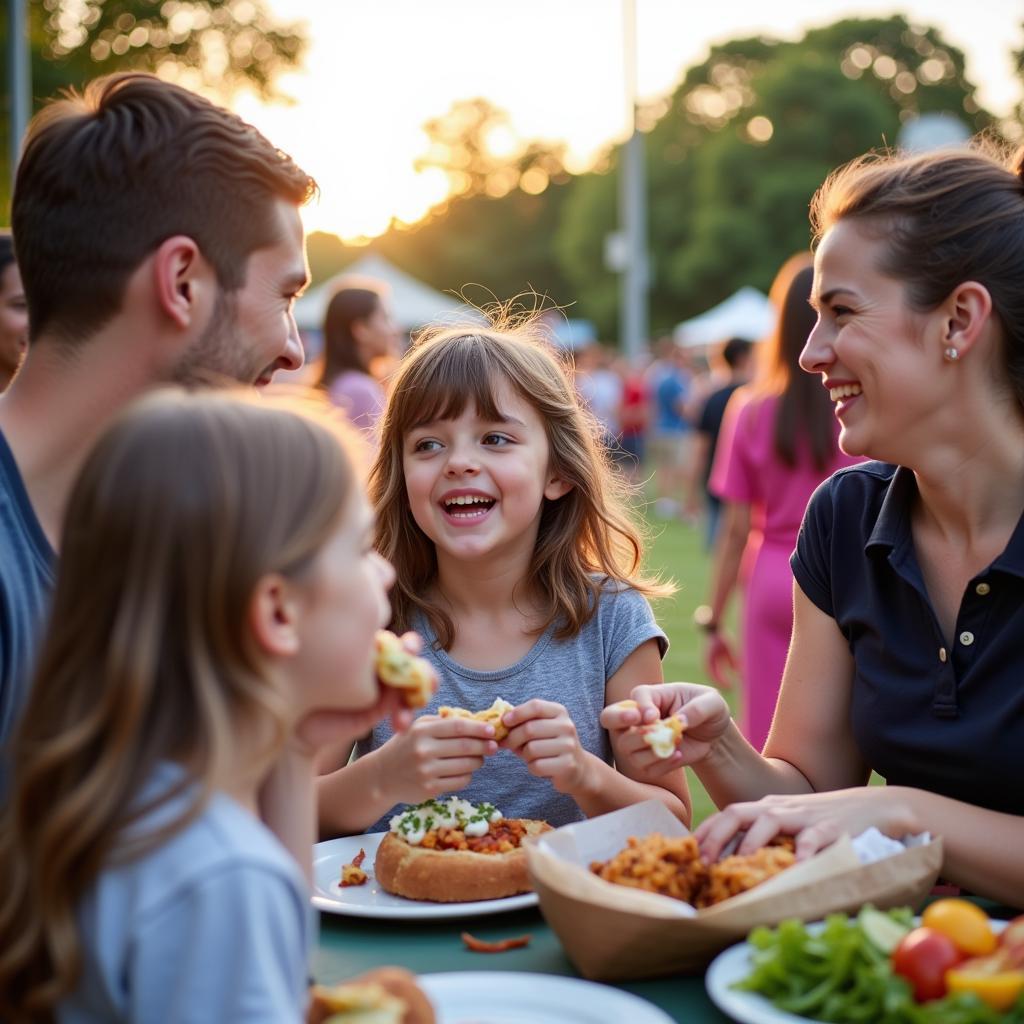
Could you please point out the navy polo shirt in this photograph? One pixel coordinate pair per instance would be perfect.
(948, 719)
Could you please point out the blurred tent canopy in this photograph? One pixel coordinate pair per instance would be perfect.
(747, 313)
(413, 303)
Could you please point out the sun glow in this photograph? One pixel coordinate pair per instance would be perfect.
(375, 72)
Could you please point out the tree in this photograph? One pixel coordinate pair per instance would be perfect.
(737, 151)
(217, 45)
(491, 239)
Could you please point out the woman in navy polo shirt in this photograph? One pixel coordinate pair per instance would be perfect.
(907, 654)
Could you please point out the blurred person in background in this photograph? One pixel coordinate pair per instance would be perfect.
(779, 440)
(633, 415)
(13, 313)
(361, 342)
(738, 357)
(600, 387)
(671, 383)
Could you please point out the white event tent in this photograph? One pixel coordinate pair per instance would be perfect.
(412, 303)
(745, 314)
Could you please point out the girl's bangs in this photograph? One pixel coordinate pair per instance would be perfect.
(443, 387)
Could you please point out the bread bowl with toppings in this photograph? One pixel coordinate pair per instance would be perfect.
(452, 851)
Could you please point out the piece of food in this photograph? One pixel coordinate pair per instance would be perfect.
(923, 957)
(662, 737)
(452, 851)
(993, 979)
(388, 995)
(963, 922)
(881, 929)
(397, 667)
(669, 865)
(353, 873)
(732, 875)
(673, 866)
(491, 715)
(837, 973)
(475, 945)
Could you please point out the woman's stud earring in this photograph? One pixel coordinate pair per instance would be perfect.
(951, 355)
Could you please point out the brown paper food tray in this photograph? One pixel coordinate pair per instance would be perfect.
(614, 933)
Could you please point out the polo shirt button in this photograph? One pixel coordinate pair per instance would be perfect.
(966, 638)
(982, 589)
(942, 654)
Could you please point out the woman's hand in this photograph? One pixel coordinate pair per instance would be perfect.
(434, 756)
(703, 711)
(544, 736)
(720, 661)
(816, 819)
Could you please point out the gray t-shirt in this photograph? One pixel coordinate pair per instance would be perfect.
(213, 925)
(27, 575)
(571, 672)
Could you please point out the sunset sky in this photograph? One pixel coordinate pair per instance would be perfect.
(376, 70)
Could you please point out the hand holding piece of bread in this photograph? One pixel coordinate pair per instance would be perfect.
(664, 736)
(396, 666)
(492, 716)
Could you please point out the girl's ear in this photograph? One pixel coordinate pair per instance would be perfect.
(556, 488)
(273, 616)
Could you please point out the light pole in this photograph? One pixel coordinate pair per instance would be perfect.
(19, 79)
(633, 207)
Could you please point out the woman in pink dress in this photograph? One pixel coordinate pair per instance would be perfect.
(778, 442)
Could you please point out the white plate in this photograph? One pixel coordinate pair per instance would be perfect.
(370, 900)
(468, 997)
(734, 964)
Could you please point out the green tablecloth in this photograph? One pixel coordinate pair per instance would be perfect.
(351, 945)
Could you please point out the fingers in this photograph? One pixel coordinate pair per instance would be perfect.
(616, 717)
(547, 721)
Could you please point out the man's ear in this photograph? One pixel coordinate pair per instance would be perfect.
(556, 488)
(182, 280)
(967, 309)
(273, 616)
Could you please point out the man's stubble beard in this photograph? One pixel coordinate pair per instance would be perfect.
(218, 356)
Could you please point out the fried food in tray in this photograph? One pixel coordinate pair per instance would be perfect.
(672, 866)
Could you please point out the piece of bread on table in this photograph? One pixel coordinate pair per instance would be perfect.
(455, 852)
(491, 715)
(388, 995)
(395, 666)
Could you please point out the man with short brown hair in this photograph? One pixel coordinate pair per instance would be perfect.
(159, 240)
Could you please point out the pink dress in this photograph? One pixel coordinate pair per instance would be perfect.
(747, 470)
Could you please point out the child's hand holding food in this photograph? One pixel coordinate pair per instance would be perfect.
(544, 736)
(435, 756)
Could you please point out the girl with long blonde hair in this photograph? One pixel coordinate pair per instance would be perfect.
(213, 622)
(517, 561)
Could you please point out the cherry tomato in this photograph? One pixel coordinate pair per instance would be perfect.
(963, 922)
(923, 957)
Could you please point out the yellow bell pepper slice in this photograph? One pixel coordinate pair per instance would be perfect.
(989, 978)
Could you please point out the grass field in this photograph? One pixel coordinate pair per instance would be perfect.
(677, 553)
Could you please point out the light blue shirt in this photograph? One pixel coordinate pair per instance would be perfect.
(212, 926)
